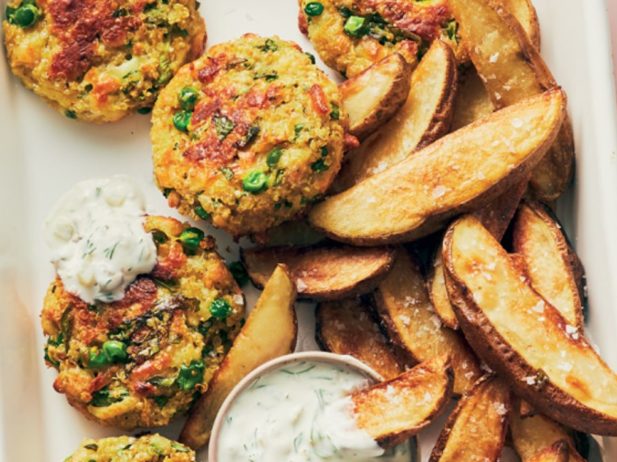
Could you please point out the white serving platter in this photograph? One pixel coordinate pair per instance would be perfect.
(42, 154)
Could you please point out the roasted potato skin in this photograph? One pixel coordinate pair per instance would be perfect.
(526, 15)
(424, 118)
(540, 240)
(397, 409)
(420, 194)
(489, 399)
(532, 384)
(326, 272)
(512, 69)
(348, 327)
(531, 434)
(365, 111)
(407, 315)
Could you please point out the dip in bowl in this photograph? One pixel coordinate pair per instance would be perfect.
(297, 408)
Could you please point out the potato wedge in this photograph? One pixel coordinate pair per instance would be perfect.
(290, 233)
(270, 331)
(554, 269)
(533, 434)
(459, 173)
(395, 410)
(322, 273)
(524, 338)
(407, 314)
(348, 328)
(512, 70)
(424, 118)
(371, 98)
(558, 452)
(525, 14)
(495, 217)
(472, 101)
(476, 429)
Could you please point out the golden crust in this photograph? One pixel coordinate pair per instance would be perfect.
(98, 61)
(148, 448)
(322, 273)
(424, 118)
(407, 314)
(397, 409)
(458, 173)
(512, 69)
(165, 323)
(524, 338)
(254, 96)
(476, 429)
(348, 327)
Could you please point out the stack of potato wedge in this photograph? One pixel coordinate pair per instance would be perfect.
(408, 261)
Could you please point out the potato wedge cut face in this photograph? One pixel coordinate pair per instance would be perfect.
(472, 101)
(552, 265)
(406, 312)
(495, 217)
(322, 273)
(476, 429)
(424, 117)
(348, 328)
(559, 452)
(270, 331)
(533, 434)
(512, 69)
(371, 98)
(525, 13)
(395, 410)
(523, 337)
(460, 172)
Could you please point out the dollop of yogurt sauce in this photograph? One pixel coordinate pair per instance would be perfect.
(300, 413)
(97, 240)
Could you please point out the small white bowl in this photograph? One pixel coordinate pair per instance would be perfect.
(317, 356)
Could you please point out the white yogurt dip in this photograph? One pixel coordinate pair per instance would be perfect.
(300, 412)
(96, 236)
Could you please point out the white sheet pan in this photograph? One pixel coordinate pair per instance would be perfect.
(42, 154)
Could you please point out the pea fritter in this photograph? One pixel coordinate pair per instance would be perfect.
(351, 35)
(248, 136)
(99, 60)
(148, 448)
(142, 360)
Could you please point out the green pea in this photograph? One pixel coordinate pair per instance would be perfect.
(188, 98)
(319, 166)
(313, 8)
(191, 375)
(255, 182)
(220, 308)
(26, 15)
(144, 110)
(201, 212)
(355, 26)
(274, 156)
(115, 351)
(97, 360)
(190, 239)
(182, 119)
(335, 113)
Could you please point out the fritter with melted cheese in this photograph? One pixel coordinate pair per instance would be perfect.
(248, 135)
(142, 360)
(99, 60)
(148, 448)
(351, 35)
